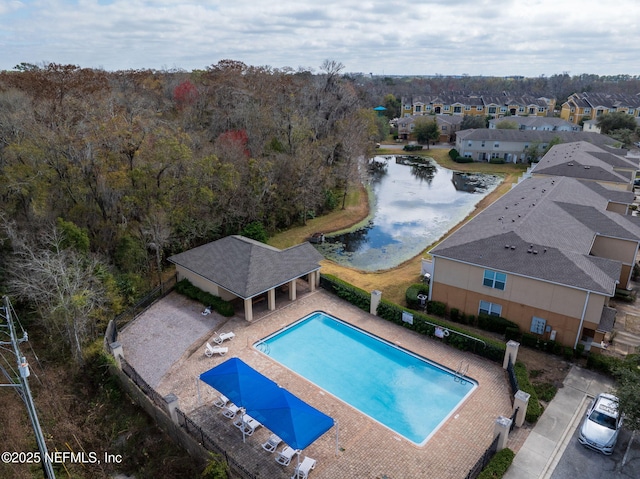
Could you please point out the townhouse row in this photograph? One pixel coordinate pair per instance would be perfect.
(550, 254)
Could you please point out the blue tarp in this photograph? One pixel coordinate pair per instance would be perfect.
(295, 421)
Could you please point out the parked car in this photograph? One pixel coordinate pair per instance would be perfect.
(600, 428)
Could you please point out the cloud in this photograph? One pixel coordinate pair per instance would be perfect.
(487, 37)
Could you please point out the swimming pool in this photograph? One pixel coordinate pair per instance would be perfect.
(405, 392)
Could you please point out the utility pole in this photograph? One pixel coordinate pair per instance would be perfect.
(19, 380)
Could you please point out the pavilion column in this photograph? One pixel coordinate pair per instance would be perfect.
(311, 279)
(271, 299)
(292, 290)
(248, 309)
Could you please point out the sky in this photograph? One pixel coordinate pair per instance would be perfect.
(392, 37)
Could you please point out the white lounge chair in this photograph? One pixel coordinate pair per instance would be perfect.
(206, 311)
(222, 337)
(221, 401)
(284, 456)
(249, 425)
(239, 420)
(302, 469)
(211, 350)
(272, 443)
(230, 411)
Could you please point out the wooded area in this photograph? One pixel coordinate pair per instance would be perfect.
(104, 174)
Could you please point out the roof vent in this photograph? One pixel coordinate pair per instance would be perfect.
(569, 164)
(535, 251)
(586, 167)
(529, 250)
(513, 247)
(506, 246)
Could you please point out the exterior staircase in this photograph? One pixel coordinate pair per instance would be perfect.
(625, 343)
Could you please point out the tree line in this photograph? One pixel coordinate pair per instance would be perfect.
(141, 164)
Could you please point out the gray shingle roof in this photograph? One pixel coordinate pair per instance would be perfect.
(543, 136)
(247, 267)
(581, 159)
(559, 218)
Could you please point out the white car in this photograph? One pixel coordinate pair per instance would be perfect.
(600, 428)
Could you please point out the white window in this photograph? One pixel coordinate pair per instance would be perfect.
(470, 144)
(521, 109)
(418, 107)
(631, 111)
(537, 325)
(503, 109)
(492, 109)
(586, 110)
(496, 145)
(457, 109)
(444, 128)
(541, 109)
(494, 279)
(489, 308)
(428, 107)
(479, 108)
(446, 108)
(467, 107)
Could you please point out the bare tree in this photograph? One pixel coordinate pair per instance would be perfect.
(59, 281)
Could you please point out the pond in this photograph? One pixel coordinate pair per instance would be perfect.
(416, 202)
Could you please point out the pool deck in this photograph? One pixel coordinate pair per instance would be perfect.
(358, 447)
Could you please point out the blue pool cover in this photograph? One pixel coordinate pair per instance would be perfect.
(296, 422)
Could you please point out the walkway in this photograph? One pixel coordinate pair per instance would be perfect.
(544, 446)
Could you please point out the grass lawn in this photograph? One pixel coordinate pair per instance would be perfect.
(392, 282)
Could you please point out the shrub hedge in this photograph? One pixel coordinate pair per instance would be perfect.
(185, 287)
(498, 464)
(352, 294)
(495, 324)
(602, 363)
(411, 296)
(412, 147)
(463, 159)
(422, 323)
(534, 409)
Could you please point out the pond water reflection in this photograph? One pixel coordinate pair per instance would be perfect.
(416, 202)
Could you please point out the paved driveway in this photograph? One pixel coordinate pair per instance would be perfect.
(161, 335)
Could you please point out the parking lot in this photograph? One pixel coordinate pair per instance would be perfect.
(579, 462)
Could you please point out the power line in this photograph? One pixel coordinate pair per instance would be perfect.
(18, 380)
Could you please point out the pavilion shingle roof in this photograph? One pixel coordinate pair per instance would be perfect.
(247, 267)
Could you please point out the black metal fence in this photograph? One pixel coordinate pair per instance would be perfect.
(203, 438)
(151, 393)
(512, 377)
(513, 419)
(132, 311)
(475, 471)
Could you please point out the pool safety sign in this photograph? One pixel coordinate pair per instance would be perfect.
(407, 317)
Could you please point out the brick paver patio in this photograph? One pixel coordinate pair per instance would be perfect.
(358, 446)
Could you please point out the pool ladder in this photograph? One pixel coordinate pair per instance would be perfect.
(461, 372)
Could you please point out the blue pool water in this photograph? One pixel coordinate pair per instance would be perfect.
(407, 393)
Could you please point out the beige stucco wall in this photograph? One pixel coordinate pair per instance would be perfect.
(613, 248)
(460, 286)
(620, 208)
(204, 284)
